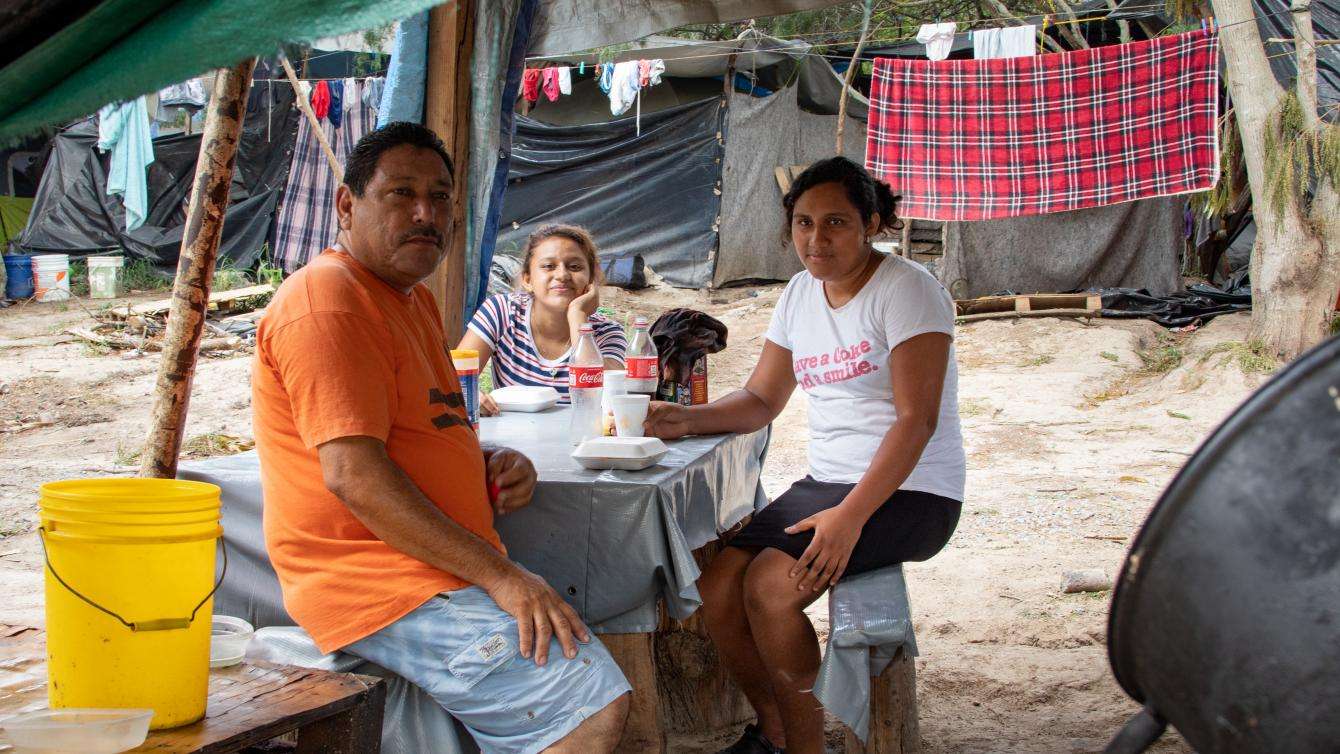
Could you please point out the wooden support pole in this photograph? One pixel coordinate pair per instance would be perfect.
(851, 74)
(195, 268)
(451, 34)
(312, 120)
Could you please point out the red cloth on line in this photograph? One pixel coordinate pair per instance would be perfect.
(551, 83)
(644, 73)
(982, 139)
(321, 99)
(530, 84)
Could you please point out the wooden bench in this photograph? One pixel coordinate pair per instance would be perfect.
(249, 704)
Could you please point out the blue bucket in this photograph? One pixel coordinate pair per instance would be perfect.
(18, 276)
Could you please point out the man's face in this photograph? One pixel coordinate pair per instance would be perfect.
(398, 228)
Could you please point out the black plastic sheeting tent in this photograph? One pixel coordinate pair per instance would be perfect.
(73, 214)
(658, 193)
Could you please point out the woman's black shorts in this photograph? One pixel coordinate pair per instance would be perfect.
(909, 526)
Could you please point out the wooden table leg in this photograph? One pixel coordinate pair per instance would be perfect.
(357, 730)
(633, 653)
(893, 711)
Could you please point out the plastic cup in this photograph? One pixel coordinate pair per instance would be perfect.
(630, 412)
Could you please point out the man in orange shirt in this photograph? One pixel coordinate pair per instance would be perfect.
(377, 516)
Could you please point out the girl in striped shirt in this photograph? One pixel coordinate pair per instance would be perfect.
(529, 334)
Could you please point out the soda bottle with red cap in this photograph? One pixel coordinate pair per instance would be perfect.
(586, 378)
(642, 362)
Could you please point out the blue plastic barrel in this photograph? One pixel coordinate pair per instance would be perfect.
(18, 276)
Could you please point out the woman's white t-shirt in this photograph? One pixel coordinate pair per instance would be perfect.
(841, 360)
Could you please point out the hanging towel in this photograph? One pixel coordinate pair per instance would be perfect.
(581, 68)
(321, 99)
(606, 73)
(981, 139)
(938, 38)
(550, 76)
(564, 80)
(1009, 42)
(350, 86)
(372, 93)
(123, 130)
(402, 99)
(530, 85)
(654, 70)
(336, 111)
(307, 222)
(623, 86)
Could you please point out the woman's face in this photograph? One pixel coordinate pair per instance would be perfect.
(828, 233)
(558, 272)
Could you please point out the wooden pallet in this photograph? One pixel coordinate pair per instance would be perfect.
(218, 300)
(1036, 302)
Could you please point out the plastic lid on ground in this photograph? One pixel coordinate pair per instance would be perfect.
(83, 730)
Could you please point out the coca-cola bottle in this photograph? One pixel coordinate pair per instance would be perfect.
(586, 376)
(641, 361)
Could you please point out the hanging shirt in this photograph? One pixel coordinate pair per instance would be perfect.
(321, 99)
(1009, 42)
(336, 112)
(624, 86)
(938, 38)
(564, 80)
(606, 73)
(550, 77)
(123, 130)
(372, 92)
(305, 90)
(530, 85)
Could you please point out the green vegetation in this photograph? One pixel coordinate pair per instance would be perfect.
(1109, 356)
(140, 275)
(1251, 356)
(1038, 360)
(1297, 157)
(1161, 359)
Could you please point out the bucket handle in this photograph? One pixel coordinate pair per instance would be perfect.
(158, 624)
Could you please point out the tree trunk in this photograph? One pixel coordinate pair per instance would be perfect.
(195, 268)
(1295, 264)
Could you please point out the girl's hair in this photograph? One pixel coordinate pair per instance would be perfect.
(869, 195)
(574, 233)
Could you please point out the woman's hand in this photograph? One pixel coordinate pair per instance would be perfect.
(488, 406)
(823, 562)
(581, 308)
(668, 421)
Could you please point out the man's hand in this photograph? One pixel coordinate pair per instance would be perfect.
(513, 476)
(668, 421)
(540, 615)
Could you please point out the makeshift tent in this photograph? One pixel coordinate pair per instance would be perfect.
(696, 192)
(73, 214)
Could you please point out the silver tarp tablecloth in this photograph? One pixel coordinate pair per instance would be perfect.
(610, 542)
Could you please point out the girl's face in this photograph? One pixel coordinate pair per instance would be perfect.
(558, 272)
(828, 234)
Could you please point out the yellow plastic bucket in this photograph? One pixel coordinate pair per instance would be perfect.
(129, 594)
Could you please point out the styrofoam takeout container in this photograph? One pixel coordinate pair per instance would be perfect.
(525, 398)
(624, 453)
(88, 731)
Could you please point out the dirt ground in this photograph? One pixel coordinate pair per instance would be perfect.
(1072, 429)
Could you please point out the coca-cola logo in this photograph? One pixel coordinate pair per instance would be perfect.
(586, 377)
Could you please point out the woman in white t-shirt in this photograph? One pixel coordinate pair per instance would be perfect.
(869, 338)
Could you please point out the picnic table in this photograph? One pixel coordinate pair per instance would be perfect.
(623, 548)
(249, 704)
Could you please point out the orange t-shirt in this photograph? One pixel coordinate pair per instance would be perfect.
(340, 353)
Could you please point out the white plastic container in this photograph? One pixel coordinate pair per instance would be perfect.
(525, 398)
(103, 273)
(88, 731)
(630, 414)
(51, 276)
(624, 453)
(228, 640)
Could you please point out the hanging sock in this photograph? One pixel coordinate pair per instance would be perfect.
(321, 99)
(530, 85)
(336, 112)
(606, 73)
(938, 38)
(550, 77)
(564, 80)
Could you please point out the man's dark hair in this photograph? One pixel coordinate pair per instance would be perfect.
(362, 162)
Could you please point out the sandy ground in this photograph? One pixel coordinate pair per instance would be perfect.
(1070, 440)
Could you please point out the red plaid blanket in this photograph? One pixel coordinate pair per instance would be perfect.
(981, 139)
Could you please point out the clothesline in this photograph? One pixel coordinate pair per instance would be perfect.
(325, 78)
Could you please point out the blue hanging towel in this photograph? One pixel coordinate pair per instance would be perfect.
(606, 77)
(336, 113)
(123, 130)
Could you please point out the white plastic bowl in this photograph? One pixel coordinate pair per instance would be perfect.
(87, 731)
(228, 640)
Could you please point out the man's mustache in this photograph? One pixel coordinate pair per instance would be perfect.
(423, 232)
